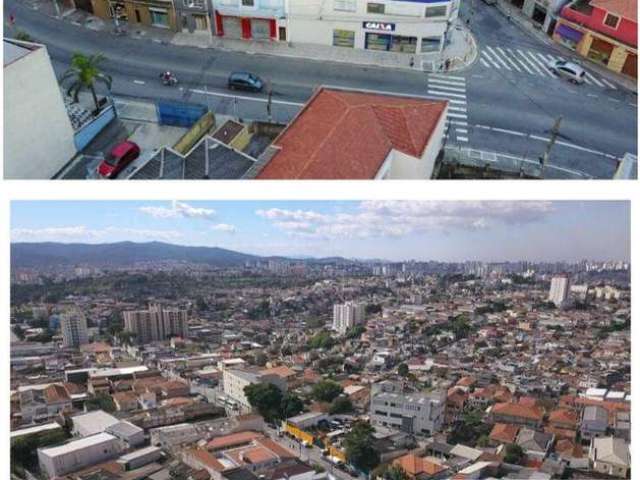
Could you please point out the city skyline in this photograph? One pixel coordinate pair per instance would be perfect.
(388, 230)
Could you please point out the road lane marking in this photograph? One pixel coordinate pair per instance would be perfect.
(509, 59)
(457, 122)
(490, 60)
(542, 66)
(608, 84)
(592, 95)
(510, 132)
(138, 82)
(455, 83)
(458, 109)
(240, 97)
(462, 139)
(448, 94)
(498, 58)
(440, 75)
(534, 66)
(484, 62)
(594, 79)
(451, 89)
(457, 115)
(522, 64)
(462, 130)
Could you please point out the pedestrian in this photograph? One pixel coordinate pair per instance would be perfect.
(447, 63)
(12, 20)
(411, 62)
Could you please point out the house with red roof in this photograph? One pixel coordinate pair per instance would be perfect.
(604, 31)
(358, 135)
(517, 414)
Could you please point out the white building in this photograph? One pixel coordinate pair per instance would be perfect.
(559, 290)
(347, 315)
(76, 455)
(38, 136)
(401, 26)
(415, 413)
(156, 323)
(74, 329)
(234, 382)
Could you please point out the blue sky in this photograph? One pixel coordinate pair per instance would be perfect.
(439, 230)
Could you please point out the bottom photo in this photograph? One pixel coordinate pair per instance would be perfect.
(320, 340)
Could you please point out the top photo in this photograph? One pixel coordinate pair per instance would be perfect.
(320, 89)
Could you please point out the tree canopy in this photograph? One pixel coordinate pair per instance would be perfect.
(358, 446)
(326, 390)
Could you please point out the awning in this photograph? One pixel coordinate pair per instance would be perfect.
(568, 32)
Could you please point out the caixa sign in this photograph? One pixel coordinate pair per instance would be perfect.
(381, 26)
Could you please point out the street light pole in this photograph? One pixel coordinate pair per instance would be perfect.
(555, 131)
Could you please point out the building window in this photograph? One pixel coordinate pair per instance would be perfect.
(437, 11)
(403, 44)
(193, 3)
(611, 20)
(430, 44)
(159, 18)
(344, 38)
(375, 8)
(344, 5)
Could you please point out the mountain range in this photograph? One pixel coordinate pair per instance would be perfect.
(50, 254)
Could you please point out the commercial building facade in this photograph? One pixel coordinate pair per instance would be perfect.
(415, 413)
(234, 382)
(604, 31)
(150, 13)
(400, 26)
(251, 19)
(559, 290)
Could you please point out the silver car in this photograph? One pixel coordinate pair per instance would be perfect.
(572, 72)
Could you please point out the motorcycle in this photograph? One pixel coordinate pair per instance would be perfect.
(168, 81)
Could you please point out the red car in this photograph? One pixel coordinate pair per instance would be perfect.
(120, 156)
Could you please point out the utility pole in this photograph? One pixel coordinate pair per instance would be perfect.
(269, 101)
(555, 131)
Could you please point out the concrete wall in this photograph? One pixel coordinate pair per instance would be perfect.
(38, 137)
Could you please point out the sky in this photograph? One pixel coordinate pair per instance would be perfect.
(390, 230)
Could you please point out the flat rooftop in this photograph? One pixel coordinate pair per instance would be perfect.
(15, 50)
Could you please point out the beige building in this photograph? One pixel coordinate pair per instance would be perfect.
(156, 323)
(38, 136)
(610, 456)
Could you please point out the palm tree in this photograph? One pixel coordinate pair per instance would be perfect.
(85, 72)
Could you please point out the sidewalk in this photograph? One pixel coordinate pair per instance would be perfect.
(514, 14)
(461, 50)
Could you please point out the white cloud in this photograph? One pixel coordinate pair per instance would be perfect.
(81, 233)
(401, 218)
(179, 210)
(224, 227)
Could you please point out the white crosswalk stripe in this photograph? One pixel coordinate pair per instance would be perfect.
(454, 90)
(531, 62)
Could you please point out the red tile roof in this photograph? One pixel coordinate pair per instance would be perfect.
(414, 465)
(348, 135)
(517, 410)
(233, 440)
(504, 433)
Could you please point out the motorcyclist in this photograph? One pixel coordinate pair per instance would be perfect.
(167, 76)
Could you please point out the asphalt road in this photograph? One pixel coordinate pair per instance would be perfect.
(497, 109)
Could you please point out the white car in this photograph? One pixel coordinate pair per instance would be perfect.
(572, 72)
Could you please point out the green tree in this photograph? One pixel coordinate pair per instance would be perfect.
(395, 472)
(355, 332)
(84, 73)
(291, 405)
(321, 340)
(341, 405)
(403, 369)
(513, 454)
(358, 446)
(101, 402)
(24, 449)
(266, 398)
(326, 390)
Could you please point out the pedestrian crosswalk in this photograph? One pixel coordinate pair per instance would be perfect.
(453, 89)
(529, 62)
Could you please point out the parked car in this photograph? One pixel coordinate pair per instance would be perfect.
(245, 81)
(572, 72)
(118, 158)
